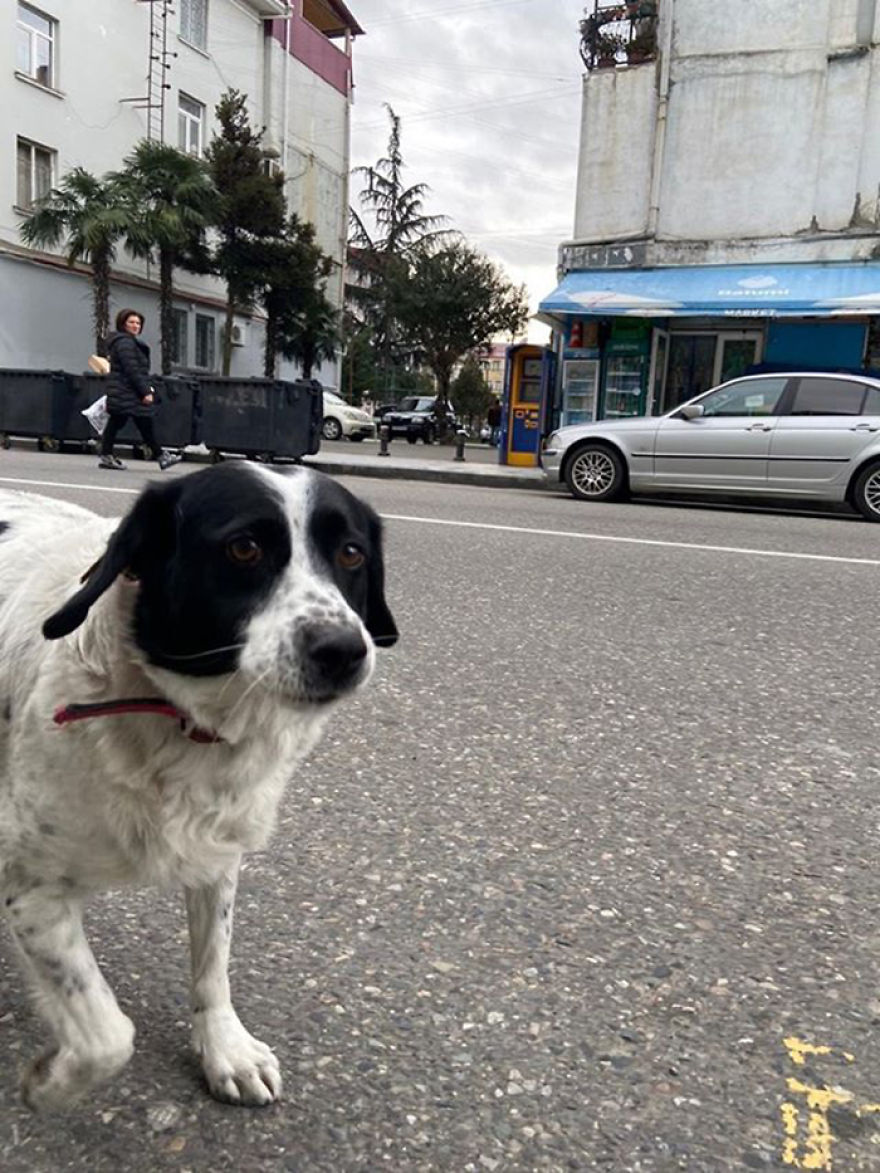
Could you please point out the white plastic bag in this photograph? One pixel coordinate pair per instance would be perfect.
(97, 414)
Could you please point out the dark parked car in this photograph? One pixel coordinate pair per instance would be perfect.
(414, 417)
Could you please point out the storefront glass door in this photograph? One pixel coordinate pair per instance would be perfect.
(690, 369)
(736, 353)
(659, 354)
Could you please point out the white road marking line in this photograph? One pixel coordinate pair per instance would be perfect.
(68, 485)
(518, 529)
(558, 533)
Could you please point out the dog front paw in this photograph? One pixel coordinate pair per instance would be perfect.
(239, 1068)
(59, 1078)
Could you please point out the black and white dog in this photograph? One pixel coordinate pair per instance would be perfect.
(159, 680)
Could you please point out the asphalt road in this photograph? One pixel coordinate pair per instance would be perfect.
(586, 879)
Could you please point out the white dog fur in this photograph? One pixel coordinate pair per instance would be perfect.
(120, 800)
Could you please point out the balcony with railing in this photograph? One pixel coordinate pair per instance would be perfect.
(619, 34)
(309, 33)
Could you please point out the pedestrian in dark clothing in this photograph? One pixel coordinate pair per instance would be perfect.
(493, 419)
(129, 394)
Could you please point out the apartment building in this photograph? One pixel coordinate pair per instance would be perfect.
(727, 210)
(82, 81)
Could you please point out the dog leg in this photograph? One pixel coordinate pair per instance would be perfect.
(239, 1068)
(93, 1038)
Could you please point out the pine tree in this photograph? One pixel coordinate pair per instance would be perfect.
(250, 208)
(380, 257)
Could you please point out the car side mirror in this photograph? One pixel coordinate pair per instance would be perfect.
(692, 411)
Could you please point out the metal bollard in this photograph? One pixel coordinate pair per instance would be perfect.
(384, 437)
(460, 437)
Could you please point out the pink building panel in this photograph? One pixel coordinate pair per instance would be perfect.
(315, 51)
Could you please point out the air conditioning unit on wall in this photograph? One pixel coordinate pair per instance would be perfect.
(240, 332)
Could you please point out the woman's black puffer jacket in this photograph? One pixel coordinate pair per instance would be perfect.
(129, 378)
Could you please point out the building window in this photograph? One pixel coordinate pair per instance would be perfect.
(206, 332)
(35, 48)
(194, 22)
(179, 331)
(190, 125)
(36, 168)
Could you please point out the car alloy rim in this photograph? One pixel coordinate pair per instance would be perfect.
(593, 472)
(872, 491)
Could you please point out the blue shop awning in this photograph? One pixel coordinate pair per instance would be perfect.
(737, 291)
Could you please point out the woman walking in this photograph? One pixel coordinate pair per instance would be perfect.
(129, 394)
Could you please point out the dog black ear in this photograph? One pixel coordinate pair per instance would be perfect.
(378, 621)
(145, 535)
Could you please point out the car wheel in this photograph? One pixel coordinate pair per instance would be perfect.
(866, 493)
(412, 438)
(331, 429)
(428, 435)
(595, 473)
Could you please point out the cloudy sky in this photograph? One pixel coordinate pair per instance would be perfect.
(488, 92)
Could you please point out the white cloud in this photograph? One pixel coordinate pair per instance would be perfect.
(488, 92)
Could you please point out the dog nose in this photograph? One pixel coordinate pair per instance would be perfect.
(334, 654)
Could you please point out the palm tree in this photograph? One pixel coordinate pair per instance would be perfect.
(171, 202)
(87, 215)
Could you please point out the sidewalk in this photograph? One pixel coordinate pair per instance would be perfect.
(441, 465)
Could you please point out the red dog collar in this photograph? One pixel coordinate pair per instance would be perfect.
(155, 704)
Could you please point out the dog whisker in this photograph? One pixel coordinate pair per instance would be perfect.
(202, 655)
(250, 688)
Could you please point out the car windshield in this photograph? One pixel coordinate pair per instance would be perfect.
(333, 398)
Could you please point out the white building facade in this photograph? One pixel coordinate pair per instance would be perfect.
(82, 81)
(728, 199)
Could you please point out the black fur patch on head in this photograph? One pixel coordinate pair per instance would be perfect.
(4, 526)
(339, 525)
(193, 600)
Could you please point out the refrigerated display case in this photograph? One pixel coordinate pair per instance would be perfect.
(625, 386)
(580, 384)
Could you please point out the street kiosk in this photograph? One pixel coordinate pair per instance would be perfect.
(528, 392)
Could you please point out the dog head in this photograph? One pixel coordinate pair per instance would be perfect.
(241, 568)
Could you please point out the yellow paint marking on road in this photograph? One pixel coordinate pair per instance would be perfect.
(798, 1050)
(816, 1152)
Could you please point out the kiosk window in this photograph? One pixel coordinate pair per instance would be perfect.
(529, 390)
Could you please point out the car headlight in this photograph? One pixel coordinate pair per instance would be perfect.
(551, 443)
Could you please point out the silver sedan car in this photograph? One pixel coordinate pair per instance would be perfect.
(800, 434)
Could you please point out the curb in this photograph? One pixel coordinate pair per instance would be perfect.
(527, 479)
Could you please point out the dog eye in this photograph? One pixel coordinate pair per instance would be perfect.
(244, 551)
(350, 557)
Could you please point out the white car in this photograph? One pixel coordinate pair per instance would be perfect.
(341, 419)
